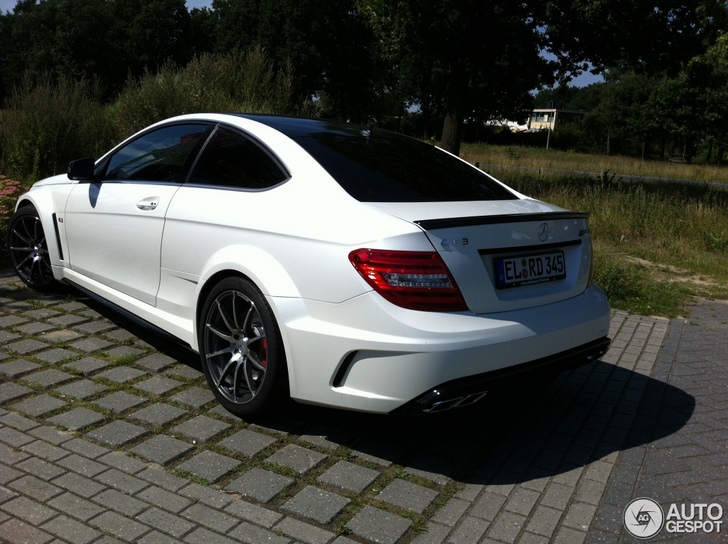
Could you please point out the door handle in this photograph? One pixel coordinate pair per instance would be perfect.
(148, 203)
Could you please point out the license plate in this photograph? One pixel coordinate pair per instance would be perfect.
(529, 269)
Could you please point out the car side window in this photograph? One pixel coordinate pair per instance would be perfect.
(160, 155)
(231, 160)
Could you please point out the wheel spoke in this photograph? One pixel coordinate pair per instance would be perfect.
(224, 318)
(251, 309)
(25, 260)
(248, 388)
(220, 334)
(253, 358)
(236, 383)
(223, 351)
(224, 371)
(22, 248)
(27, 239)
(235, 312)
(253, 391)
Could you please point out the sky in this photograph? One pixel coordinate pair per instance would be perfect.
(585, 79)
(581, 81)
(194, 3)
(8, 5)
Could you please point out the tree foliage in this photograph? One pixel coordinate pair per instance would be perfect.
(324, 42)
(103, 39)
(645, 36)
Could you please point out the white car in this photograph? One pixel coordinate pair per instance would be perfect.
(340, 265)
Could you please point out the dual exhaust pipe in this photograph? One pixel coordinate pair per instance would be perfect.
(457, 402)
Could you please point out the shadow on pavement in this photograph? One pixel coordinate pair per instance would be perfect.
(513, 436)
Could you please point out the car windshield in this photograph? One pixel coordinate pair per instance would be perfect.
(376, 165)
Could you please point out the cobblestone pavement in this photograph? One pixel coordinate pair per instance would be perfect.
(109, 434)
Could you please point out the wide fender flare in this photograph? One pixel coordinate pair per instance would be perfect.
(254, 263)
(262, 268)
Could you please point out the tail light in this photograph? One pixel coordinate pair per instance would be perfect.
(416, 280)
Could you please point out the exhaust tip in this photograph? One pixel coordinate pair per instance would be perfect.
(457, 402)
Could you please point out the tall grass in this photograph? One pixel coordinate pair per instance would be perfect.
(656, 245)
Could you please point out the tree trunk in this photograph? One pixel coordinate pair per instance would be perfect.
(452, 133)
(452, 130)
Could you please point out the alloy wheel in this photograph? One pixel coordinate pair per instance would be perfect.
(28, 249)
(235, 347)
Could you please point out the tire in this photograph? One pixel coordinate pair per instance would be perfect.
(28, 249)
(241, 350)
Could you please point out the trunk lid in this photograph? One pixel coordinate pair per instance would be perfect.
(506, 255)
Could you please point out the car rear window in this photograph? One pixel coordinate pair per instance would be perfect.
(230, 159)
(375, 165)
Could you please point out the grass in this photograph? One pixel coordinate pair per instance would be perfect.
(539, 160)
(657, 246)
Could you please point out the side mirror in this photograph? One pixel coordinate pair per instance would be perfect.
(81, 169)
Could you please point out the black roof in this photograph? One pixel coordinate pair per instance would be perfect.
(376, 165)
(300, 127)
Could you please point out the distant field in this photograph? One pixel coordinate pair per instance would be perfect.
(547, 160)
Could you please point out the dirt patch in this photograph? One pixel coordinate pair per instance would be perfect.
(674, 273)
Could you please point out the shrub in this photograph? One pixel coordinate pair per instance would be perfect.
(10, 190)
(47, 123)
(209, 83)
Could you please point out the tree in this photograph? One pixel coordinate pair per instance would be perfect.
(463, 58)
(149, 33)
(59, 37)
(325, 42)
(708, 73)
(103, 39)
(566, 97)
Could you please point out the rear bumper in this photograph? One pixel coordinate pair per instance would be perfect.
(467, 391)
(368, 355)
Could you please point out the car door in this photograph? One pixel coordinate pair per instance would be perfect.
(114, 225)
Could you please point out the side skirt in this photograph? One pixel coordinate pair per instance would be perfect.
(138, 321)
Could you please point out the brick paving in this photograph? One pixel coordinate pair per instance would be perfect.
(109, 434)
